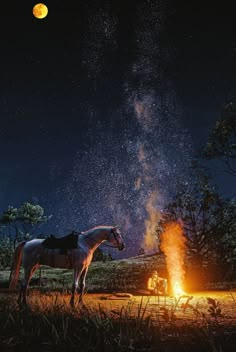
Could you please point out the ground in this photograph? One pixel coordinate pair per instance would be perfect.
(190, 308)
(153, 305)
(198, 321)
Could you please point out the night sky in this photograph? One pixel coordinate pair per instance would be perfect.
(103, 105)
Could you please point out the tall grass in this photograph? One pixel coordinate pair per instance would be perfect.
(57, 327)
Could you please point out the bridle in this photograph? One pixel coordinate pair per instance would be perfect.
(116, 239)
(115, 235)
(104, 244)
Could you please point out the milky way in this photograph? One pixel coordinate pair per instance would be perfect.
(141, 149)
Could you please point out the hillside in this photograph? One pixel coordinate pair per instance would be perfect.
(127, 275)
(124, 275)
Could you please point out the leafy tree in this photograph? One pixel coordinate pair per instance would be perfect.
(226, 246)
(208, 222)
(6, 251)
(20, 223)
(221, 144)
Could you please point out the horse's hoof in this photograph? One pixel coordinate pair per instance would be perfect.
(23, 306)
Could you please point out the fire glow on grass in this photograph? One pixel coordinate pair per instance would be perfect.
(173, 244)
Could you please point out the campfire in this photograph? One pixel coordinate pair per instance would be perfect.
(173, 244)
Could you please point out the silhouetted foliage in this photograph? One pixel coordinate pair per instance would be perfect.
(6, 251)
(18, 224)
(208, 221)
(222, 140)
(100, 256)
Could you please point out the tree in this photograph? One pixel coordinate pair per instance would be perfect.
(221, 144)
(100, 256)
(208, 222)
(6, 251)
(226, 248)
(20, 223)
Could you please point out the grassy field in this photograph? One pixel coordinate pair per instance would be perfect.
(201, 321)
(129, 275)
(138, 324)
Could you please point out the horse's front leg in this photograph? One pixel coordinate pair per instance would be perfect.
(77, 273)
(82, 283)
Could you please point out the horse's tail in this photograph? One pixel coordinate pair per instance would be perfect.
(15, 270)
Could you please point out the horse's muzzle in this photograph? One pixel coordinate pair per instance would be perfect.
(121, 247)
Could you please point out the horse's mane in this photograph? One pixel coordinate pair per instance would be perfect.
(100, 227)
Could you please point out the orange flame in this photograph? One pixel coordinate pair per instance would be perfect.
(173, 244)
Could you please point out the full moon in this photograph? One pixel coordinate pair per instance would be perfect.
(40, 11)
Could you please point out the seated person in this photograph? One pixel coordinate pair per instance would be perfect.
(156, 284)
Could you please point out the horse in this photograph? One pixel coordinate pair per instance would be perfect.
(34, 254)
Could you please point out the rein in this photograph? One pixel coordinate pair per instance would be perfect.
(107, 245)
(103, 244)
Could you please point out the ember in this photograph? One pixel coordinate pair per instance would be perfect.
(172, 243)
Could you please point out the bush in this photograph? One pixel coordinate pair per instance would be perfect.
(6, 252)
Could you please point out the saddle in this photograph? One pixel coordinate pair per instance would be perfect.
(63, 243)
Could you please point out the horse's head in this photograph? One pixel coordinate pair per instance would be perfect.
(114, 237)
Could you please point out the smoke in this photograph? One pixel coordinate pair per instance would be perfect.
(150, 239)
(147, 189)
(173, 244)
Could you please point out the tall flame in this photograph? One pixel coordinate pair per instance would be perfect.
(173, 244)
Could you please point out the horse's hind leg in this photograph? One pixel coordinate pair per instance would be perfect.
(77, 273)
(24, 284)
(82, 283)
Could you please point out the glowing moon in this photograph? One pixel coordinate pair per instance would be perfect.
(40, 11)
